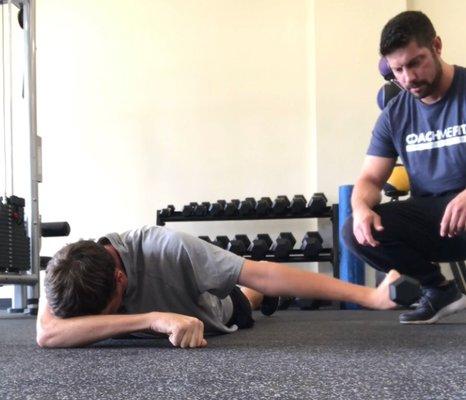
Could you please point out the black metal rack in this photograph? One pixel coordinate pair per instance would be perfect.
(325, 255)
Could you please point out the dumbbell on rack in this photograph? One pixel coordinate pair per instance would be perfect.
(264, 206)
(283, 245)
(318, 203)
(231, 208)
(281, 205)
(201, 210)
(239, 245)
(247, 206)
(168, 212)
(298, 204)
(188, 210)
(311, 244)
(260, 246)
(216, 209)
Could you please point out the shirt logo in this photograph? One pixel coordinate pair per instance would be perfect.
(450, 136)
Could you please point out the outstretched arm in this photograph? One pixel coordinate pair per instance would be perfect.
(274, 279)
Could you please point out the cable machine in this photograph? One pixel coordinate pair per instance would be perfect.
(20, 225)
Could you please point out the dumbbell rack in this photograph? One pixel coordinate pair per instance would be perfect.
(325, 255)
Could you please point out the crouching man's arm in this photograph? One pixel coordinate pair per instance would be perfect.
(275, 279)
(182, 330)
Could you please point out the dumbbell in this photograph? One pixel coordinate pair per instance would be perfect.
(405, 290)
(264, 206)
(216, 209)
(201, 210)
(260, 246)
(283, 245)
(221, 241)
(206, 239)
(231, 208)
(167, 212)
(239, 245)
(298, 204)
(247, 206)
(280, 205)
(311, 244)
(317, 203)
(188, 210)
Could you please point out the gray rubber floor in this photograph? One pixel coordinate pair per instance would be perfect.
(291, 355)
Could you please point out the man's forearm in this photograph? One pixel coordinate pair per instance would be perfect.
(365, 195)
(80, 331)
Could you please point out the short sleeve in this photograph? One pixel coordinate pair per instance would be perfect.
(215, 270)
(381, 143)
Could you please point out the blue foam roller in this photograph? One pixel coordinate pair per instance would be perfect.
(351, 267)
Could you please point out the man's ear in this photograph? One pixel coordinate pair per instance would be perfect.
(437, 45)
(119, 275)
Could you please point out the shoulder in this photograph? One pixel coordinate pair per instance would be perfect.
(460, 75)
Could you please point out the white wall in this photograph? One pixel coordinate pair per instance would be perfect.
(171, 102)
(347, 37)
(448, 19)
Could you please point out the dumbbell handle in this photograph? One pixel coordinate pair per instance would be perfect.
(54, 229)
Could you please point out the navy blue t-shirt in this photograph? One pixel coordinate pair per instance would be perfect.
(429, 139)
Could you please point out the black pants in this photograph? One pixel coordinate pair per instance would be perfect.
(411, 241)
(242, 312)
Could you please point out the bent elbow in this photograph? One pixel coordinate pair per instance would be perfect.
(46, 339)
(43, 341)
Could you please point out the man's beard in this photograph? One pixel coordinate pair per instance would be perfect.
(427, 88)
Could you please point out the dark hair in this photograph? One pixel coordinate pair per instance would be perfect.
(80, 279)
(405, 27)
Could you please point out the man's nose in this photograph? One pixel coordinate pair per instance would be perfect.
(410, 76)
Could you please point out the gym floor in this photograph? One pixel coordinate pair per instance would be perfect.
(326, 354)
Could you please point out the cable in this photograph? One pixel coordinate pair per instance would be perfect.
(10, 25)
(4, 106)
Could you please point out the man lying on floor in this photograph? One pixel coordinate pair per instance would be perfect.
(160, 281)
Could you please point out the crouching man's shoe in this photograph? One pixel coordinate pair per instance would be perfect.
(436, 303)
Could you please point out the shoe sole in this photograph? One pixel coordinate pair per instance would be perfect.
(453, 308)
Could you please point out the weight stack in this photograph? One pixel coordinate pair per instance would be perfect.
(15, 245)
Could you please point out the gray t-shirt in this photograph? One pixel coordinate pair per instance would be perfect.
(429, 138)
(171, 271)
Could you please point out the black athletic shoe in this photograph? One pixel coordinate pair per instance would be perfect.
(269, 305)
(436, 303)
(285, 302)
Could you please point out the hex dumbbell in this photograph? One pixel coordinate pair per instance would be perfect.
(216, 209)
(280, 205)
(168, 211)
(188, 210)
(311, 244)
(298, 204)
(317, 203)
(201, 210)
(283, 245)
(231, 208)
(405, 290)
(260, 246)
(247, 206)
(239, 245)
(264, 206)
